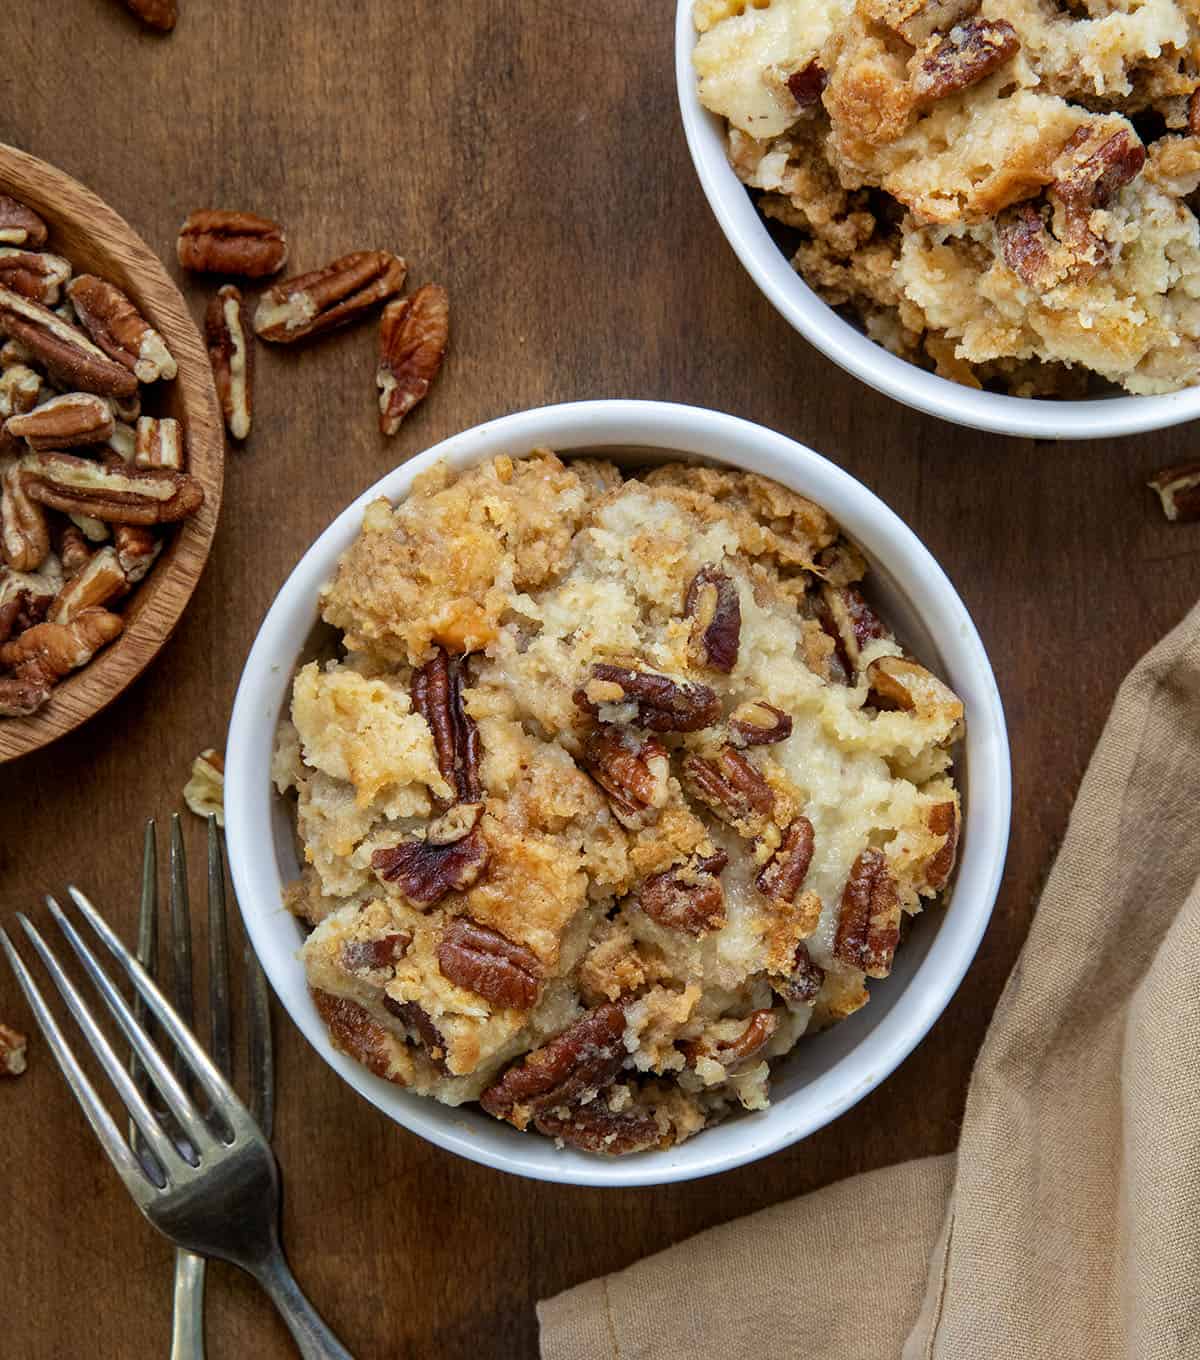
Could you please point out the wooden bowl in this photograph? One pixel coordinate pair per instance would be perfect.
(97, 240)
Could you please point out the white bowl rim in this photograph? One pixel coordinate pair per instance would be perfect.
(690, 431)
(806, 312)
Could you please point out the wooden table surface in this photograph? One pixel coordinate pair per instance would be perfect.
(529, 156)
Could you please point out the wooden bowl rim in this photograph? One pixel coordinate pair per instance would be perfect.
(161, 599)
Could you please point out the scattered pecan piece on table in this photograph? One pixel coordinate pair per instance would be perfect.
(757, 723)
(633, 771)
(801, 985)
(12, 1052)
(204, 792)
(730, 787)
(868, 927)
(688, 897)
(160, 15)
(716, 612)
(970, 51)
(24, 530)
(782, 877)
(120, 330)
(34, 274)
(437, 688)
(594, 1128)
(488, 963)
(583, 1058)
(64, 422)
(413, 335)
(663, 704)
(215, 241)
(344, 291)
(1178, 488)
(158, 444)
(63, 350)
(231, 353)
(19, 225)
(363, 956)
(118, 495)
(451, 859)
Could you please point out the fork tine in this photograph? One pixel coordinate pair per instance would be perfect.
(262, 1058)
(147, 953)
(172, 1091)
(181, 939)
(97, 1115)
(215, 1086)
(218, 955)
(139, 1111)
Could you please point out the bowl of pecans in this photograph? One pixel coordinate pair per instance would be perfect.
(111, 454)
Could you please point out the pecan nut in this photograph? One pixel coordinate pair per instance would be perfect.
(489, 964)
(34, 274)
(713, 605)
(760, 1030)
(48, 651)
(116, 495)
(807, 84)
(382, 951)
(24, 599)
(120, 330)
(19, 225)
(74, 551)
(972, 50)
(757, 723)
(64, 422)
(663, 704)
(93, 586)
(61, 349)
(12, 1052)
(868, 926)
(782, 877)
(160, 15)
(731, 788)
(437, 696)
(450, 859)
(22, 695)
(137, 547)
(943, 819)
(895, 682)
(1178, 488)
(805, 980)
(584, 1058)
(157, 444)
(633, 771)
(344, 291)
(214, 241)
(24, 532)
(689, 897)
(413, 335)
(421, 1028)
(595, 1128)
(231, 352)
(352, 1030)
(850, 621)
(1029, 249)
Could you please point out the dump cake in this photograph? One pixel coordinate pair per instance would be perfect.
(1000, 190)
(616, 786)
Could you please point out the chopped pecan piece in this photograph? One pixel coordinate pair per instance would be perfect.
(22, 695)
(19, 225)
(689, 897)
(231, 353)
(943, 820)
(158, 444)
(419, 1020)
(1028, 248)
(94, 530)
(916, 21)
(413, 335)
(760, 1030)
(34, 273)
(352, 1030)
(716, 612)
(758, 723)
(120, 330)
(584, 1058)
(663, 704)
(343, 291)
(807, 85)
(805, 980)
(869, 924)
(12, 1052)
(94, 585)
(1095, 163)
(731, 788)
(595, 1128)
(64, 422)
(20, 608)
(782, 877)
(24, 532)
(450, 859)
(489, 964)
(117, 495)
(54, 649)
(137, 547)
(1178, 488)
(850, 621)
(633, 771)
(384, 951)
(437, 696)
(160, 15)
(213, 241)
(74, 551)
(971, 50)
(895, 682)
(61, 349)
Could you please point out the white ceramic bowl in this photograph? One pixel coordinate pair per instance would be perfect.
(824, 1075)
(1096, 418)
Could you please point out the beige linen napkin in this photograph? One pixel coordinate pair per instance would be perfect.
(1067, 1226)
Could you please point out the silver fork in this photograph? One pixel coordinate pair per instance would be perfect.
(187, 1326)
(215, 1191)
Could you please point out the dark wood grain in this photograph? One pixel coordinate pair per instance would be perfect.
(529, 157)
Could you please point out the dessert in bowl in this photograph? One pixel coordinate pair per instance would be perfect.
(611, 784)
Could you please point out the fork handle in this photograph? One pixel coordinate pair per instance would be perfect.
(312, 1337)
(187, 1326)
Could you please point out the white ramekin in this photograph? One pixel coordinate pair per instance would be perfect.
(824, 1075)
(1098, 418)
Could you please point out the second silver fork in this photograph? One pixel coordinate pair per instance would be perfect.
(187, 1327)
